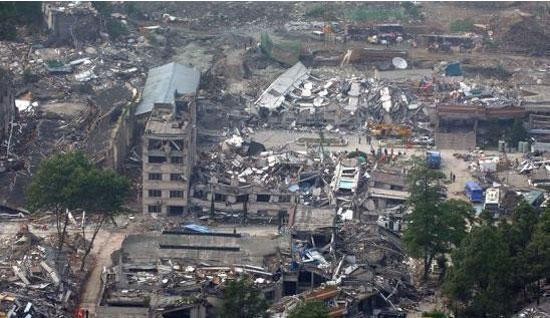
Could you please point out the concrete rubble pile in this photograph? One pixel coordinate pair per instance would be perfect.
(185, 270)
(33, 284)
(489, 94)
(363, 269)
(340, 102)
(175, 284)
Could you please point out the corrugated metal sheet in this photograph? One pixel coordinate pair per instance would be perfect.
(274, 95)
(163, 81)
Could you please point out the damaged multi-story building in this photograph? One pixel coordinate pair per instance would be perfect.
(241, 187)
(182, 273)
(169, 140)
(71, 22)
(7, 103)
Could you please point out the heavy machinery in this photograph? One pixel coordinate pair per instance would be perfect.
(387, 130)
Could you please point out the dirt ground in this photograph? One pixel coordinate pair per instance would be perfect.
(106, 243)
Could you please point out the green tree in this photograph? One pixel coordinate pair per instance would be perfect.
(517, 133)
(242, 300)
(434, 226)
(309, 309)
(465, 25)
(478, 283)
(67, 182)
(115, 28)
(500, 265)
(53, 188)
(104, 8)
(103, 193)
(537, 254)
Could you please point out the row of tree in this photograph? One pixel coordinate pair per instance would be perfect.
(70, 182)
(495, 266)
(499, 267)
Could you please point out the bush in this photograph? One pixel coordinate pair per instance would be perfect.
(29, 76)
(116, 29)
(412, 10)
(465, 25)
(132, 10)
(104, 8)
(54, 63)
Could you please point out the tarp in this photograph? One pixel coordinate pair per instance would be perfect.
(453, 69)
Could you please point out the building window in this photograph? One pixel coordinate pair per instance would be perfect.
(284, 198)
(176, 194)
(157, 159)
(155, 193)
(220, 197)
(263, 198)
(242, 198)
(155, 176)
(176, 159)
(175, 209)
(176, 177)
(154, 208)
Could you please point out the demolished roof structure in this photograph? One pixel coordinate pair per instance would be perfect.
(181, 271)
(274, 95)
(33, 281)
(163, 82)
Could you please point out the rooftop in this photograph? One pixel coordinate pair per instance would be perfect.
(163, 121)
(162, 83)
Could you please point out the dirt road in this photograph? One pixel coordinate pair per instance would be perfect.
(104, 246)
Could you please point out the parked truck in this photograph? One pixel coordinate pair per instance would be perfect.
(433, 159)
(474, 192)
(492, 200)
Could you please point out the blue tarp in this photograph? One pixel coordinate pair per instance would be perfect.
(453, 69)
(196, 228)
(294, 188)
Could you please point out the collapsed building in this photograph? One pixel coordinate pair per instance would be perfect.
(37, 280)
(182, 272)
(72, 22)
(169, 140)
(297, 98)
(236, 187)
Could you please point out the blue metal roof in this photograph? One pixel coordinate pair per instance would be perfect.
(163, 81)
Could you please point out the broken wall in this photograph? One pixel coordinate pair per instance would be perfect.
(123, 135)
(7, 103)
(71, 24)
(111, 135)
